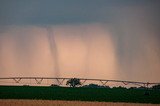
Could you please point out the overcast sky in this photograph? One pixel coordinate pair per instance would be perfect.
(119, 37)
(42, 12)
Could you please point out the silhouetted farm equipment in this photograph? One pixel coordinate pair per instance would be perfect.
(63, 81)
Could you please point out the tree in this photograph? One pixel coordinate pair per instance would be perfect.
(95, 86)
(54, 85)
(156, 87)
(73, 82)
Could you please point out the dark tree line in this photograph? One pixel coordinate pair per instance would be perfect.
(75, 82)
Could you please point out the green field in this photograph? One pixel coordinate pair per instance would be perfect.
(82, 94)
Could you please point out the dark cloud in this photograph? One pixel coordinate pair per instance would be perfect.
(62, 12)
(134, 25)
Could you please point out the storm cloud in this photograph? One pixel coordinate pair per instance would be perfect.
(107, 39)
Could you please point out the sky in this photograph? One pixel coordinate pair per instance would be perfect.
(106, 39)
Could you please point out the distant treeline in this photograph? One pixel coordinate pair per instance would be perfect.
(155, 87)
(75, 82)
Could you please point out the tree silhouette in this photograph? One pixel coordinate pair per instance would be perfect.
(156, 87)
(73, 82)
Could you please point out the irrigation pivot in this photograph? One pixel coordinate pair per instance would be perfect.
(39, 80)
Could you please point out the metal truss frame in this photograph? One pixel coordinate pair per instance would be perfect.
(60, 81)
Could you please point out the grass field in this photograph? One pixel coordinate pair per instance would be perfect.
(80, 94)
